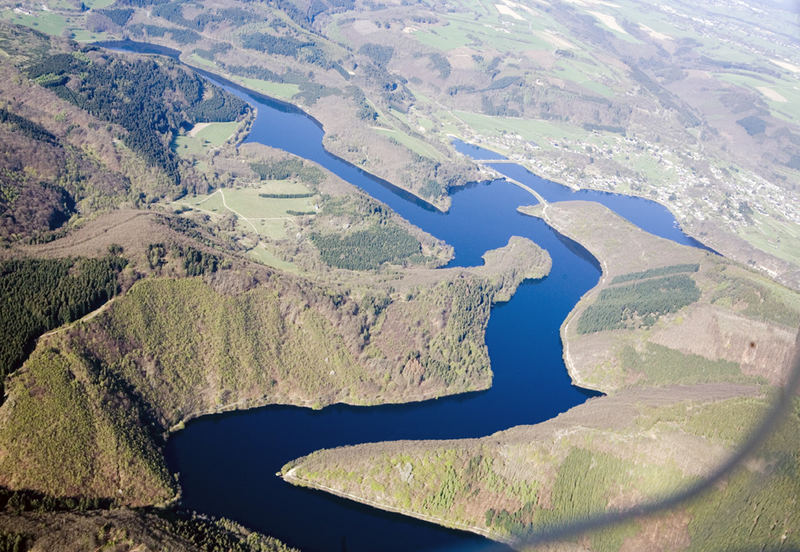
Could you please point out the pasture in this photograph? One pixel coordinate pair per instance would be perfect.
(259, 210)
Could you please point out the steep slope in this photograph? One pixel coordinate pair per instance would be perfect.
(85, 130)
(169, 350)
(690, 348)
(664, 313)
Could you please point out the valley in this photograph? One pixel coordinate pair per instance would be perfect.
(210, 286)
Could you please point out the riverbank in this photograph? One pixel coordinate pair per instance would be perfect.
(703, 230)
(577, 461)
(706, 328)
(677, 378)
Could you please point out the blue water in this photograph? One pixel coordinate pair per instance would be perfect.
(476, 152)
(644, 213)
(227, 462)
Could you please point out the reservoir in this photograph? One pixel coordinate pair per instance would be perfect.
(227, 462)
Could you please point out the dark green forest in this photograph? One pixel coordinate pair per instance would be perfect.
(38, 295)
(118, 16)
(378, 53)
(641, 303)
(132, 94)
(27, 127)
(173, 12)
(366, 249)
(280, 45)
(652, 272)
(288, 168)
(302, 50)
(197, 263)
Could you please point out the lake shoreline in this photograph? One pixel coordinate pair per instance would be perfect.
(539, 350)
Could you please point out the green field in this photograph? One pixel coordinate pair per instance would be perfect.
(788, 110)
(207, 137)
(265, 256)
(98, 4)
(778, 238)
(46, 22)
(586, 75)
(529, 129)
(198, 61)
(82, 35)
(463, 31)
(414, 144)
(266, 216)
(54, 24)
(284, 90)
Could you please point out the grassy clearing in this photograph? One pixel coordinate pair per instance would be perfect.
(267, 257)
(249, 203)
(283, 90)
(207, 138)
(82, 35)
(59, 5)
(334, 31)
(585, 75)
(46, 22)
(778, 238)
(269, 228)
(445, 39)
(530, 129)
(211, 203)
(414, 144)
(788, 89)
(287, 186)
(98, 4)
(199, 61)
(55, 24)
(266, 215)
(215, 133)
(656, 22)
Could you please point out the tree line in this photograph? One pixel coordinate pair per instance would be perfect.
(27, 127)
(132, 94)
(283, 169)
(41, 294)
(660, 271)
(366, 249)
(641, 303)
